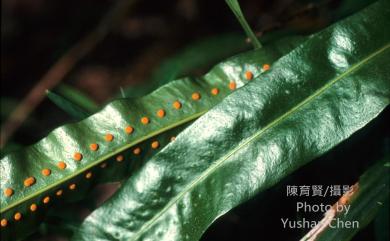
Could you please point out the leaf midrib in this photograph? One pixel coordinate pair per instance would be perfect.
(103, 158)
(256, 135)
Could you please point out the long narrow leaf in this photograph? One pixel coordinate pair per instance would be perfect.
(314, 98)
(69, 107)
(236, 9)
(61, 165)
(77, 97)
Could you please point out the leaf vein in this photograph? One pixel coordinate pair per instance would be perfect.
(256, 135)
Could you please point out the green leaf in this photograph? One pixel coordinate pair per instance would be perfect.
(77, 97)
(372, 192)
(312, 99)
(64, 143)
(199, 54)
(114, 171)
(70, 108)
(235, 7)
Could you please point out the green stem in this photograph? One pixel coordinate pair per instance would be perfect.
(235, 7)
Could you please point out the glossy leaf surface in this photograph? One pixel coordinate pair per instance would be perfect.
(312, 99)
(64, 160)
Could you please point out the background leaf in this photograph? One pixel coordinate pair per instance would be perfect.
(370, 197)
(70, 108)
(182, 100)
(236, 9)
(197, 55)
(77, 97)
(309, 102)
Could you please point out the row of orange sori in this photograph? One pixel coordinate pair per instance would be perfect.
(77, 156)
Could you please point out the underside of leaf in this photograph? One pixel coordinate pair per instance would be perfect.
(312, 99)
(61, 166)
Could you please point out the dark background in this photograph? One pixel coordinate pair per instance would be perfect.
(36, 33)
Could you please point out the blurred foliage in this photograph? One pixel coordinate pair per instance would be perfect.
(196, 56)
(74, 110)
(77, 97)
